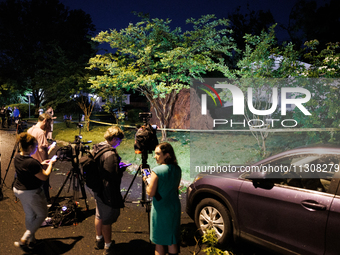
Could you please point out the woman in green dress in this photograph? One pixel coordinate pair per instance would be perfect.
(166, 207)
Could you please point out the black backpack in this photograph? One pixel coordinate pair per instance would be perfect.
(146, 139)
(90, 168)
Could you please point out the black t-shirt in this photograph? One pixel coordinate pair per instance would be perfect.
(26, 168)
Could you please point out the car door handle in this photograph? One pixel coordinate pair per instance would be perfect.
(313, 205)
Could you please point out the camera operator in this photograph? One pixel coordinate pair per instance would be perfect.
(39, 131)
(27, 187)
(166, 209)
(109, 200)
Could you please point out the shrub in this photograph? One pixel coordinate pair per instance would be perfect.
(23, 108)
(133, 115)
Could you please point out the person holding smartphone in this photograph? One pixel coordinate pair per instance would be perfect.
(166, 207)
(108, 199)
(28, 188)
(44, 149)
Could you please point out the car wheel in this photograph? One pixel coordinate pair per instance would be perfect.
(211, 214)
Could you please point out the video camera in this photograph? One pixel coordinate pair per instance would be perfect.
(146, 137)
(73, 150)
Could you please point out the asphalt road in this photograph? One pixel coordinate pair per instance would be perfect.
(130, 232)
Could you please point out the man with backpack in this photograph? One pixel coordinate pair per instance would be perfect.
(108, 197)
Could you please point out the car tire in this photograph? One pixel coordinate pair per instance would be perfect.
(210, 213)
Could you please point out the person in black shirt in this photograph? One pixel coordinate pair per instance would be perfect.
(27, 187)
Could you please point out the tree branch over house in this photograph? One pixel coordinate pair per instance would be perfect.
(158, 61)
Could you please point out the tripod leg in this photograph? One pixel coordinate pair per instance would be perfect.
(127, 192)
(9, 164)
(10, 161)
(57, 196)
(82, 188)
(143, 193)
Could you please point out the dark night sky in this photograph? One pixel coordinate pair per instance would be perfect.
(113, 14)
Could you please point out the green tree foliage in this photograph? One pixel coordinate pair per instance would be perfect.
(249, 22)
(322, 80)
(262, 61)
(263, 58)
(114, 106)
(158, 61)
(44, 48)
(310, 21)
(8, 91)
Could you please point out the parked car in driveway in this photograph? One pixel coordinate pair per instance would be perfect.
(288, 203)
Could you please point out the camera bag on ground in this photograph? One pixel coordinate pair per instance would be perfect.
(146, 139)
(90, 168)
(66, 214)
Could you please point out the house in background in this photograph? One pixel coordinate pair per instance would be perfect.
(100, 101)
(131, 101)
(226, 110)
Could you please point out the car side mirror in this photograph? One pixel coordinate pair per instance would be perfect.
(263, 183)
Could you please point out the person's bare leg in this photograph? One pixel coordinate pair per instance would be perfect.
(160, 249)
(106, 231)
(173, 249)
(98, 226)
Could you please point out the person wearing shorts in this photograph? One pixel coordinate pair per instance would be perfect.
(109, 199)
(106, 213)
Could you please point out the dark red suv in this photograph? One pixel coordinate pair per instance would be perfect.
(289, 203)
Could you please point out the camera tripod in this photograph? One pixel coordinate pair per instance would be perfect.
(16, 148)
(74, 175)
(144, 152)
(144, 201)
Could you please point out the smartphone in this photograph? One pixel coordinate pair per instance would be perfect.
(54, 157)
(146, 172)
(122, 164)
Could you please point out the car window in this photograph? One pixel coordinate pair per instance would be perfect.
(312, 172)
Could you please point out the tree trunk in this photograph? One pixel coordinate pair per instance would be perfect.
(163, 108)
(87, 108)
(264, 148)
(37, 100)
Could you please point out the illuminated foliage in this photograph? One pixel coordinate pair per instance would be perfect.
(325, 103)
(158, 61)
(262, 64)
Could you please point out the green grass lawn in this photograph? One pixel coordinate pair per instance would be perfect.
(193, 149)
(179, 140)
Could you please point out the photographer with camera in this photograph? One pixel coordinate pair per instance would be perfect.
(27, 187)
(166, 207)
(108, 199)
(39, 131)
